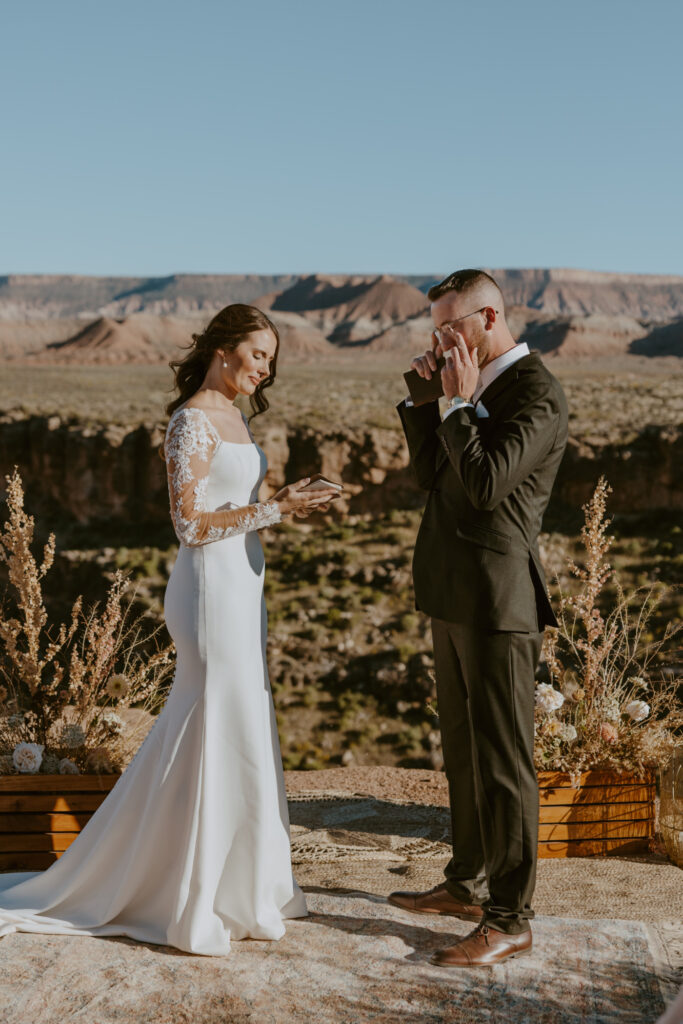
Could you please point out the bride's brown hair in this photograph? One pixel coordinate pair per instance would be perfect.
(227, 329)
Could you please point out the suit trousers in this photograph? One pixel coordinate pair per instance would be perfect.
(485, 683)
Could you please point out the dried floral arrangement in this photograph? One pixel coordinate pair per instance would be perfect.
(612, 702)
(62, 690)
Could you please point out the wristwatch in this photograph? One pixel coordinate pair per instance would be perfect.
(456, 401)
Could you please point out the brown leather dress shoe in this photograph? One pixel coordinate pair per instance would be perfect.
(484, 947)
(436, 901)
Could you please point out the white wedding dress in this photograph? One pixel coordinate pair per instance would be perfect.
(191, 847)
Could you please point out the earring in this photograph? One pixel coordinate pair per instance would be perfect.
(225, 364)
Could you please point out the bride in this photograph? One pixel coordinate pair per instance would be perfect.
(191, 847)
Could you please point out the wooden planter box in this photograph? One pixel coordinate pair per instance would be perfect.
(41, 815)
(608, 813)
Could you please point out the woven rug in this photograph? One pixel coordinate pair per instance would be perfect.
(342, 841)
(355, 959)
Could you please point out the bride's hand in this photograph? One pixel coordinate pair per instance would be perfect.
(305, 513)
(293, 498)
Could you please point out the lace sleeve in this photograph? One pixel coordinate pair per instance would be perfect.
(189, 447)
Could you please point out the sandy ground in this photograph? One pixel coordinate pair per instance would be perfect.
(383, 782)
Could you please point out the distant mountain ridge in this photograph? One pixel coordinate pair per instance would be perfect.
(555, 292)
(351, 297)
(36, 296)
(116, 320)
(141, 338)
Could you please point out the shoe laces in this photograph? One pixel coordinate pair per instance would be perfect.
(483, 931)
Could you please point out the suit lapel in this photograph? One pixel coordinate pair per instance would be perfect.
(490, 394)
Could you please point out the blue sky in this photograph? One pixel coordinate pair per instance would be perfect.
(158, 137)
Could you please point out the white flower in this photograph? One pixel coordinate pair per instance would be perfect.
(27, 756)
(638, 710)
(610, 709)
(548, 699)
(567, 733)
(117, 686)
(655, 742)
(68, 767)
(111, 721)
(638, 681)
(72, 735)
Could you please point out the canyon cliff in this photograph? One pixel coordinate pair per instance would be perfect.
(78, 476)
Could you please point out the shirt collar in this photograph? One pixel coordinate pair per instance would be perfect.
(497, 365)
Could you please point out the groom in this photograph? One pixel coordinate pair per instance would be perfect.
(488, 467)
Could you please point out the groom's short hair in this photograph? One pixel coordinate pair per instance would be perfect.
(463, 282)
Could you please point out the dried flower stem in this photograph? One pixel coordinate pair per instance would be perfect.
(35, 704)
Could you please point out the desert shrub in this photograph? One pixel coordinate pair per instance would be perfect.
(61, 686)
(613, 697)
(410, 622)
(334, 618)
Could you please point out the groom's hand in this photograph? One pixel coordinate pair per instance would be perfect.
(460, 374)
(426, 364)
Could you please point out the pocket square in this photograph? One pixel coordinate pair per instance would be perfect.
(481, 410)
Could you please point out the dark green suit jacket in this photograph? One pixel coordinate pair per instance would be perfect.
(489, 480)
